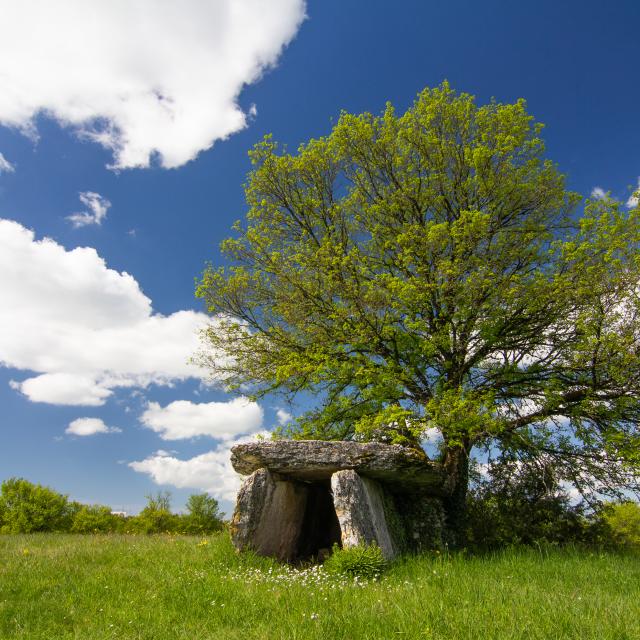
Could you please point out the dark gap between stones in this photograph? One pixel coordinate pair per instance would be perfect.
(320, 527)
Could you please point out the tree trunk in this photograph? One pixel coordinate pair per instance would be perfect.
(456, 469)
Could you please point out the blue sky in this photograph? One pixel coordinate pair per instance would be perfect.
(123, 109)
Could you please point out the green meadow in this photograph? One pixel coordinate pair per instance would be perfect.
(55, 586)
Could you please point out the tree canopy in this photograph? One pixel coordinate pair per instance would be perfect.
(430, 273)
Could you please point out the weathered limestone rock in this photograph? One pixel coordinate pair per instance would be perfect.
(303, 496)
(269, 515)
(360, 507)
(423, 521)
(316, 459)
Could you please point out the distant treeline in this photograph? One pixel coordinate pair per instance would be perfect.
(26, 508)
(510, 506)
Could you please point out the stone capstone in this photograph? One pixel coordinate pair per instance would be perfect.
(304, 496)
(318, 459)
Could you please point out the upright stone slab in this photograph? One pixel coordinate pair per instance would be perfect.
(360, 506)
(269, 515)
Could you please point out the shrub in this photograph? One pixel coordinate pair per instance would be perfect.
(362, 561)
(28, 507)
(521, 503)
(96, 519)
(623, 523)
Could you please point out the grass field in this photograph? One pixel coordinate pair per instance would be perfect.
(93, 587)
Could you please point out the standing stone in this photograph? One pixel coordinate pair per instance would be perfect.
(360, 506)
(269, 514)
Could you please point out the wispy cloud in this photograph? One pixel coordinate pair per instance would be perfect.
(598, 193)
(5, 165)
(283, 416)
(96, 211)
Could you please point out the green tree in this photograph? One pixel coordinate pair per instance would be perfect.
(26, 507)
(158, 502)
(430, 270)
(203, 514)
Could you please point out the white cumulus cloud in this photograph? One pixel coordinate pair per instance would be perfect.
(211, 472)
(81, 329)
(95, 212)
(63, 388)
(221, 420)
(89, 427)
(598, 193)
(143, 78)
(5, 165)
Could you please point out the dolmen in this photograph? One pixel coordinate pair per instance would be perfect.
(303, 496)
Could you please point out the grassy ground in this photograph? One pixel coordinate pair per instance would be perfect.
(93, 587)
